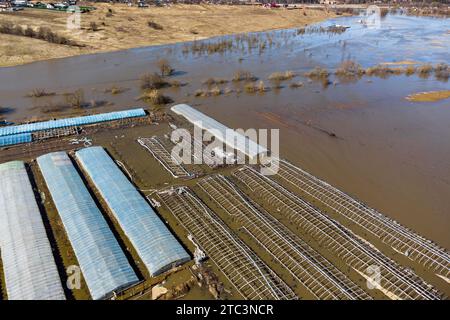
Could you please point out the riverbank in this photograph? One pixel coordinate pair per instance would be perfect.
(116, 27)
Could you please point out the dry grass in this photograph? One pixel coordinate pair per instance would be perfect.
(75, 99)
(424, 70)
(431, 96)
(153, 81)
(410, 70)
(317, 73)
(350, 69)
(165, 68)
(117, 32)
(115, 90)
(381, 71)
(214, 81)
(282, 76)
(155, 97)
(38, 93)
(214, 91)
(442, 72)
(243, 75)
(251, 87)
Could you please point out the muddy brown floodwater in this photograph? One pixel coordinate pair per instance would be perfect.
(389, 152)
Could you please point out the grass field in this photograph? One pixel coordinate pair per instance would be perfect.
(116, 26)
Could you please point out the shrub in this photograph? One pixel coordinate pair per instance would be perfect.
(410, 70)
(215, 91)
(214, 81)
(93, 26)
(154, 25)
(242, 75)
(201, 93)
(250, 87)
(75, 99)
(379, 71)
(318, 73)
(29, 32)
(6, 27)
(164, 67)
(153, 81)
(281, 76)
(442, 72)
(424, 70)
(37, 93)
(18, 30)
(154, 96)
(115, 90)
(350, 69)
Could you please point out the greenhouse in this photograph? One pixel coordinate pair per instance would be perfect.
(102, 261)
(15, 139)
(28, 263)
(70, 122)
(221, 132)
(154, 243)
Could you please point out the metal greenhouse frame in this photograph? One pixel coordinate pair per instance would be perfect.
(70, 122)
(396, 282)
(154, 243)
(28, 262)
(251, 277)
(102, 261)
(400, 238)
(307, 266)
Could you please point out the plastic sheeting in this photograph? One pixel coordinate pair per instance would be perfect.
(102, 261)
(15, 139)
(69, 122)
(28, 262)
(228, 136)
(156, 246)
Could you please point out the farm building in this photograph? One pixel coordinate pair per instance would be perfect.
(28, 263)
(70, 122)
(154, 243)
(226, 135)
(102, 261)
(15, 139)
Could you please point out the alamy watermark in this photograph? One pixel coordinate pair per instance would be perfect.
(372, 17)
(374, 278)
(73, 277)
(216, 147)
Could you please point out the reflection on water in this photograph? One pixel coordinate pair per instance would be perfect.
(391, 153)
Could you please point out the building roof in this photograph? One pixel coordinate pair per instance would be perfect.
(102, 261)
(15, 139)
(228, 136)
(28, 263)
(154, 243)
(70, 122)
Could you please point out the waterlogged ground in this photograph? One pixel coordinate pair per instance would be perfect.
(389, 152)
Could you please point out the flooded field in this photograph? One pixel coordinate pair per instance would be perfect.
(389, 152)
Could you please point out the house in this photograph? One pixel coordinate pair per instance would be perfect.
(4, 5)
(19, 3)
